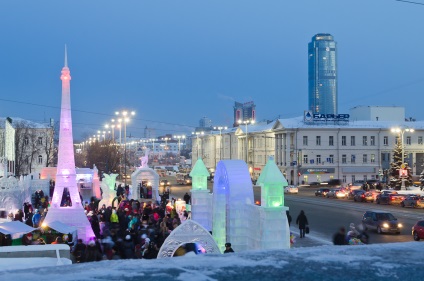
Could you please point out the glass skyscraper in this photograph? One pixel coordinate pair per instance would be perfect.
(322, 74)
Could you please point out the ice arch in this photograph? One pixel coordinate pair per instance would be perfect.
(232, 196)
(145, 174)
(188, 232)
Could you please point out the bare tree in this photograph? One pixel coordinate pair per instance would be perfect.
(25, 146)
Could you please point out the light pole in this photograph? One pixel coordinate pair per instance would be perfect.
(401, 132)
(125, 119)
(220, 141)
(153, 147)
(245, 122)
(112, 126)
(179, 142)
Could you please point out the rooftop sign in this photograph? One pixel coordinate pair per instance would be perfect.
(308, 116)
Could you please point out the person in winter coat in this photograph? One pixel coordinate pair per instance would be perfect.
(36, 218)
(128, 248)
(79, 251)
(302, 221)
(114, 217)
(92, 253)
(340, 237)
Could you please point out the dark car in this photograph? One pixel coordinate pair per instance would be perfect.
(381, 221)
(363, 196)
(322, 192)
(352, 193)
(389, 197)
(372, 184)
(413, 201)
(313, 184)
(418, 230)
(165, 183)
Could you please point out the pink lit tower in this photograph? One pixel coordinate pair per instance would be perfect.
(72, 214)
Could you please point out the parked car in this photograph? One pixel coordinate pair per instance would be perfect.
(322, 192)
(363, 196)
(413, 201)
(418, 230)
(351, 194)
(313, 184)
(336, 193)
(291, 189)
(381, 221)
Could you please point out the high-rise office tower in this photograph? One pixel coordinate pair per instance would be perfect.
(322, 74)
(244, 111)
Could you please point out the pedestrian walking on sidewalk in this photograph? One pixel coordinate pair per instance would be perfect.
(302, 221)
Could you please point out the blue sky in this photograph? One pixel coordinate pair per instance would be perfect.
(174, 62)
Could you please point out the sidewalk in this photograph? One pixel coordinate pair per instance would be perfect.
(311, 240)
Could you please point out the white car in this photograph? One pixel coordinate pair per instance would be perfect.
(291, 189)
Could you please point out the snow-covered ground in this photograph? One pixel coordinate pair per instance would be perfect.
(394, 261)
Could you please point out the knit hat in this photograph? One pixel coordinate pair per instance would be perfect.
(128, 237)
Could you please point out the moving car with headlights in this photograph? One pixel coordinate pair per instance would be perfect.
(351, 194)
(413, 201)
(291, 189)
(418, 230)
(389, 197)
(183, 178)
(322, 192)
(381, 221)
(165, 183)
(336, 193)
(363, 196)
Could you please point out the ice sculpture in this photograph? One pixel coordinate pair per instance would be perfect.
(145, 159)
(201, 198)
(147, 175)
(275, 231)
(232, 196)
(108, 188)
(66, 176)
(188, 232)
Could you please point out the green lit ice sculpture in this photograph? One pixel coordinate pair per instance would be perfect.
(199, 175)
(272, 184)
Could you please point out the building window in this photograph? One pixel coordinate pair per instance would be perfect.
(331, 158)
(353, 178)
(420, 140)
(330, 140)
(318, 140)
(364, 158)
(40, 141)
(408, 140)
(26, 141)
(40, 159)
(344, 178)
(318, 159)
(372, 141)
(386, 141)
(365, 178)
(344, 161)
(352, 140)
(397, 140)
(352, 158)
(305, 140)
(364, 141)
(343, 140)
(305, 159)
(372, 158)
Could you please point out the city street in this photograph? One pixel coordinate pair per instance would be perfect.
(327, 215)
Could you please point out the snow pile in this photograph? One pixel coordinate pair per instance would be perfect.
(392, 261)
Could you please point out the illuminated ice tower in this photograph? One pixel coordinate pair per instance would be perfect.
(70, 214)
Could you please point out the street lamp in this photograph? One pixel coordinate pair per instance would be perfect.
(125, 119)
(220, 140)
(179, 142)
(245, 122)
(401, 132)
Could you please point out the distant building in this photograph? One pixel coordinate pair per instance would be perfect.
(149, 133)
(377, 113)
(244, 111)
(33, 145)
(322, 74)
(205, 122)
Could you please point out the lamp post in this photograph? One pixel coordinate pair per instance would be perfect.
(125, 119)
(401, 132)
(245, 122)
(112, 126)
(179, 142)
(153, 147)
(220, 141)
